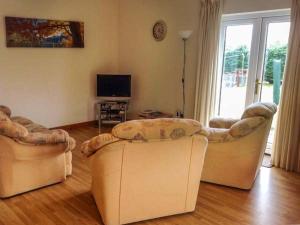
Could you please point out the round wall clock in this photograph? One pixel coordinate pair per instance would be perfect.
(160, 30)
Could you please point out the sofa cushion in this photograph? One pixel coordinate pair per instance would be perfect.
(12, 129)
(219, 135)
(5, 110)
(25, 131)
(225, 123)
(89, 147)
(165, 128)
(21, 120)
(246, 126)
(34, 127)
(266, 110)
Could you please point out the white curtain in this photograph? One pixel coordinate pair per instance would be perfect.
(210, 19)
(286, 146)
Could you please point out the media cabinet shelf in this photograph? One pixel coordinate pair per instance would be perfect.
(111, 112)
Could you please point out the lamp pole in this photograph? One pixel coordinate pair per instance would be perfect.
(184, 34)
(183, 77)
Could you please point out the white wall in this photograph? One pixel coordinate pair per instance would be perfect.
(237, 6)
(57, 86)
(156, 67)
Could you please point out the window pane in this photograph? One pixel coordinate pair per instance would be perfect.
(235, 70)
(275, 56)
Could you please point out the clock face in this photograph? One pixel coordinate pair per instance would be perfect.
(159, 30)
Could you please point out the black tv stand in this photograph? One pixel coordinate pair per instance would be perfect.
(112, 112)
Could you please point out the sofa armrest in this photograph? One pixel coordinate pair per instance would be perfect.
(106, 171)
(91, 146)
(12, 129)
(246, 126)
(224, 123)
(219, 135)
(5, 110)
(49, 137)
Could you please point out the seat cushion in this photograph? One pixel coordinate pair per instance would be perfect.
(156, 129)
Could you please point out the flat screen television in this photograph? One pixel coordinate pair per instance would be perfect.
(114, 86)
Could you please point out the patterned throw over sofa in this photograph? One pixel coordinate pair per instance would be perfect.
(31, 156)
(236, 147)
(146, 169)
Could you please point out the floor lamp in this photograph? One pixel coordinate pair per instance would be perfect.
(184, 34)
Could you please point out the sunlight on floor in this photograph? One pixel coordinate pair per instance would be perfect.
(264, 180)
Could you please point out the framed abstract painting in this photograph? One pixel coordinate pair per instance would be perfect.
(43, 33)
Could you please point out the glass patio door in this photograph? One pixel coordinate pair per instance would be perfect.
(237, 42)
(273, 55)
(275, 33)
(253, 50)
(252, 60)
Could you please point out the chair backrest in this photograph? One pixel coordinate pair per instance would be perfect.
(157, 129)
(154, 169)
(263, 109)
(160, 177)
(254, 115)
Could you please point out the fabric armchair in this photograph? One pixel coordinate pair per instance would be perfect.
(31, 156)
(236, 147)
(146, 169)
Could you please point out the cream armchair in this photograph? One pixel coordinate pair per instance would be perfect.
(31, 156)
(146, 169)
(236, 147)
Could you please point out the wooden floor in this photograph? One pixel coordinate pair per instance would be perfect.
(274, 200)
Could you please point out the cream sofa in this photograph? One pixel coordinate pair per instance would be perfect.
(146, 169)
(236, 147)
(31, 156)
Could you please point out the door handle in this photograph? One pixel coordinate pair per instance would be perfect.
(257, 83)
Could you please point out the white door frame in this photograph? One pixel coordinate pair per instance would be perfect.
(260, 22)
(252, 60)
(262, 49)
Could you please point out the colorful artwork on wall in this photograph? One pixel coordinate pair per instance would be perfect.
(43, 33)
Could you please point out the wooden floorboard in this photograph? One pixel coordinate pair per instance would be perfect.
(274, 200)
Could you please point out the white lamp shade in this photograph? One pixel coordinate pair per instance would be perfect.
(185, 34)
